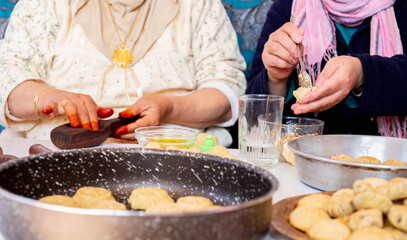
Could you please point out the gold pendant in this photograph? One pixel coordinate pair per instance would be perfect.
(122, 57)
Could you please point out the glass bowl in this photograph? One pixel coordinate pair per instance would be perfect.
(166, 136)
(294, 127)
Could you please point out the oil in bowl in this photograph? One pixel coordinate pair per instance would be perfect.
(166, 136)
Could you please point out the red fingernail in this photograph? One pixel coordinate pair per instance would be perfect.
(86, 125)
(95, 125)
(105, 112)
(121, 130)
(126, 114)
(48, 110)
(74, 120)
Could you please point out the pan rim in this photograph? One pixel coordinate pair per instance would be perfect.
(338, 162)
(131, 213)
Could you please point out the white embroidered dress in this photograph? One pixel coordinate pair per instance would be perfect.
(197, 50)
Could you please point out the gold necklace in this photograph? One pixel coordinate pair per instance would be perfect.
(122, 56)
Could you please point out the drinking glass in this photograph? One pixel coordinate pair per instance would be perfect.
(258, 139)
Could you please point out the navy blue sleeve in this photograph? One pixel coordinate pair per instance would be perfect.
(385, 79)
(279, 14)
(384, 85)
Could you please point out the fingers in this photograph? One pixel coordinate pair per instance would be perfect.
(318, 105)
(328, 71)
(149, 116)
(148, 120)
(81, 111)
(334, 84)
(280, 51)
(70, 110)
(275, 61)
(130, 136)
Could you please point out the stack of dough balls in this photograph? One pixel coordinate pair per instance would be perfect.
(218, 150)
(157, 200)
(367, 159)
(87, 197)
(373, 209)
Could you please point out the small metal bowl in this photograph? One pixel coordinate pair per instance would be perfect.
(166, 136)
(316, 169)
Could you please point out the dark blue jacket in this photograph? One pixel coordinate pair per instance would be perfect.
(385, 79)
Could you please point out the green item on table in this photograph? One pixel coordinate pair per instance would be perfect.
(208, 144)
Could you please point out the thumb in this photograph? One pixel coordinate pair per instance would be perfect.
(326, 73)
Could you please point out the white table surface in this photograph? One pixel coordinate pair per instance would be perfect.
(289, 184)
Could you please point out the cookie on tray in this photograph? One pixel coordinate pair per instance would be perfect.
(346, 192)
(394, 162)
(398, 216)
(370, 199)
(339, 206)
(329, 229)
(219, 150)
(395, 233)
(395, 189)
(366, 218)
(303, 217)
(370, 233)
(317, 200)
(343, 157)
(367, 159)
(363, 185)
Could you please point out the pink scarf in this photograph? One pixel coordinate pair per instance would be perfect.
(316, 18)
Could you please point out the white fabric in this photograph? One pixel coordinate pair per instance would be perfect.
(233, 99)
(198, 47)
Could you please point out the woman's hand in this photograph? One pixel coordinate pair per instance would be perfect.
(340, 76)
(200, 109)
(81, 109)
(152, 110)
(280, 56)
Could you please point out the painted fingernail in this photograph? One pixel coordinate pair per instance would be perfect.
(86, 125)
(74, 120)
(105, 112)
(126, 114)
(48, 110)
(95, 125)
(121, 130)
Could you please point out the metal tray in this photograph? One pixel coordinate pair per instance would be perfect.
(316, 169)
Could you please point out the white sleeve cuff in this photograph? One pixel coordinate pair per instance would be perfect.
(231, 95)
(10, 116)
